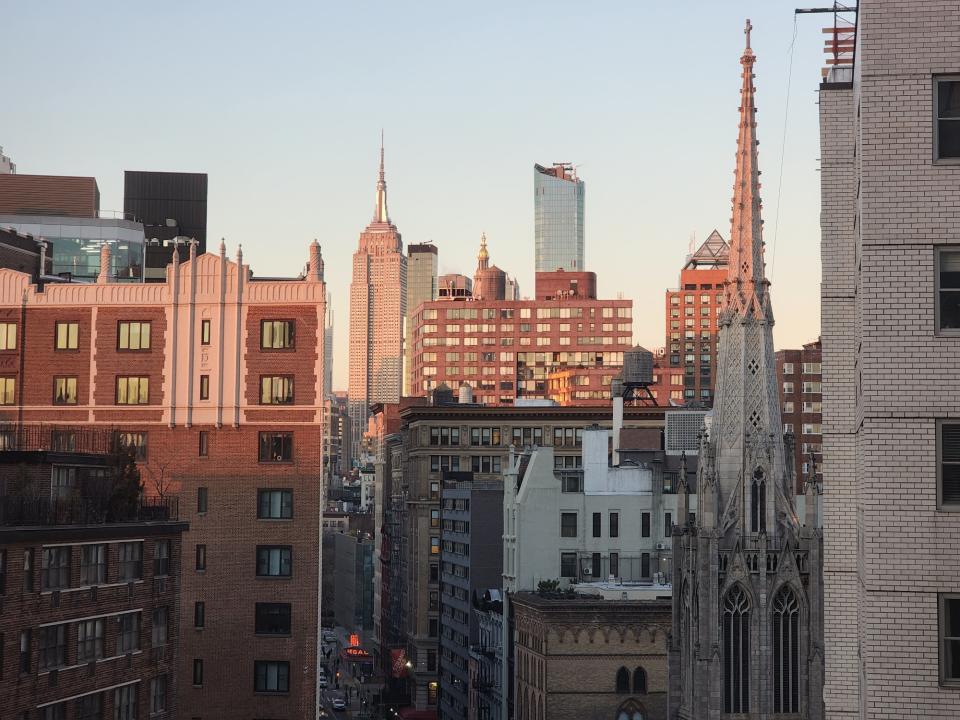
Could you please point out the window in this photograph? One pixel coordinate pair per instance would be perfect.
(89, 707)
(53, 646)
(434, 546)
(161, 558)
(276, 447)
(133, 336)
(948, 288)
(485, 463)
(158, 694)
(199, 614)
(758, 503)
(274, 560)
(89, 640)
(623, 680)
(667, 524)
(28, 570)
(272, 618)
(204, 387)
(435, 518)
(276, 334)
(736, 651)
(8, 394)
(568, 524)
(947, 141)
(135, 441)
(485, 436)
(786, 652)
(645, 565)
(788, 388)
(128, 633)
(66, 336)
(949, 464)
(597, 519)
(3, 582)
(639, 681)
(276, 390)
(133, 390)
(615, 564)
(645, 524)
(204, 332)
(197, 672)
(55, 568)
(788, 408)
(8, 336)
(201, 557)
(431, 660)
(571, 482)
(25, 644)
(275, 504)
(271, 676)
(788, 368)
(50, 712)
(158, 633)
(202, 495)
(444, 463)
(65, 391)
(93, 564)
(614, 524)
(130, 557)
(204, 449)
(568, 564)
(125, 703)
(527, 436)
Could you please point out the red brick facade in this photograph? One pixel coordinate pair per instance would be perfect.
(799, 376)
(201, 427)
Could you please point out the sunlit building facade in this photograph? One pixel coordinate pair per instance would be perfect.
(558, 217)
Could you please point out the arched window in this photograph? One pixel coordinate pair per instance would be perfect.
(786, 652)
(639, 681)
(736, 651)
(623, 680)
(631, 710)
(758, 503)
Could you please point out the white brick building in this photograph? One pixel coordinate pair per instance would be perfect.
(891, 368)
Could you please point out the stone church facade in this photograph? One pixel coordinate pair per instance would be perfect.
(747, 635)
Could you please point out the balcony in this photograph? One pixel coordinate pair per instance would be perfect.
(57, 438)
(20, 511)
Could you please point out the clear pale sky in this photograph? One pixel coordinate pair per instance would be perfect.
(282, 105)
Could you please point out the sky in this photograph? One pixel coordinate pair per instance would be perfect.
(282, 105)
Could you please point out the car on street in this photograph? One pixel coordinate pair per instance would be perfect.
(329, 637)
(338, 703)
(322, 681)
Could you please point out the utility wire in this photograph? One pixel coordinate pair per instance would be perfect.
(783, 149)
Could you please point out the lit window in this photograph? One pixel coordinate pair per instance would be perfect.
(65, 391)
(276, 334)
(133, 335)
(133, 390)
(8, 391)
(8, 336)
(276, 390)
(66, 336)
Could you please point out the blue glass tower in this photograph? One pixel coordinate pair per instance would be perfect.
(558, 218)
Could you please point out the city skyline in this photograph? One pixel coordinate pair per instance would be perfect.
(658, 174)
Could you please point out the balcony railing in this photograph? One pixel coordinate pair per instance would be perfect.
(57, 438)
(26, 511)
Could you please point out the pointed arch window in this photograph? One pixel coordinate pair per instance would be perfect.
(758, 503)
(631, 710)
(639, 681)
(786, 652)
(623, 680)
(736, 651)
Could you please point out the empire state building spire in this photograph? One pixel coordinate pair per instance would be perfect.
(746, 282)
(380, 214)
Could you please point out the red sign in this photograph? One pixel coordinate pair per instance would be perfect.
(398, 662)
(354, 640)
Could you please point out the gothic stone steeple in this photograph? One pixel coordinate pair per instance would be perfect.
(747, 634)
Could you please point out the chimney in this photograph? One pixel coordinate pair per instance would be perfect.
(316, 262)
(104, 276)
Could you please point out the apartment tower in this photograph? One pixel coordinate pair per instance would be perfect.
(421, 287)
(378, 306)
(890, 168)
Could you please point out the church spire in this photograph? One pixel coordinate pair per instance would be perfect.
(380, 214)
(746, 284)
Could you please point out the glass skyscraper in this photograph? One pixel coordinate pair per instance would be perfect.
(558, 218)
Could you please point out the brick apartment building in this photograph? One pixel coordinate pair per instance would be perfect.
(215, 378)
(509, 349)
(432, 441)
(799, 377)
(687, 370)
(89, 582)
(890, 167)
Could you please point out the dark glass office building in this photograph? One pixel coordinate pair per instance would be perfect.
(558, 218)
(168, 204)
